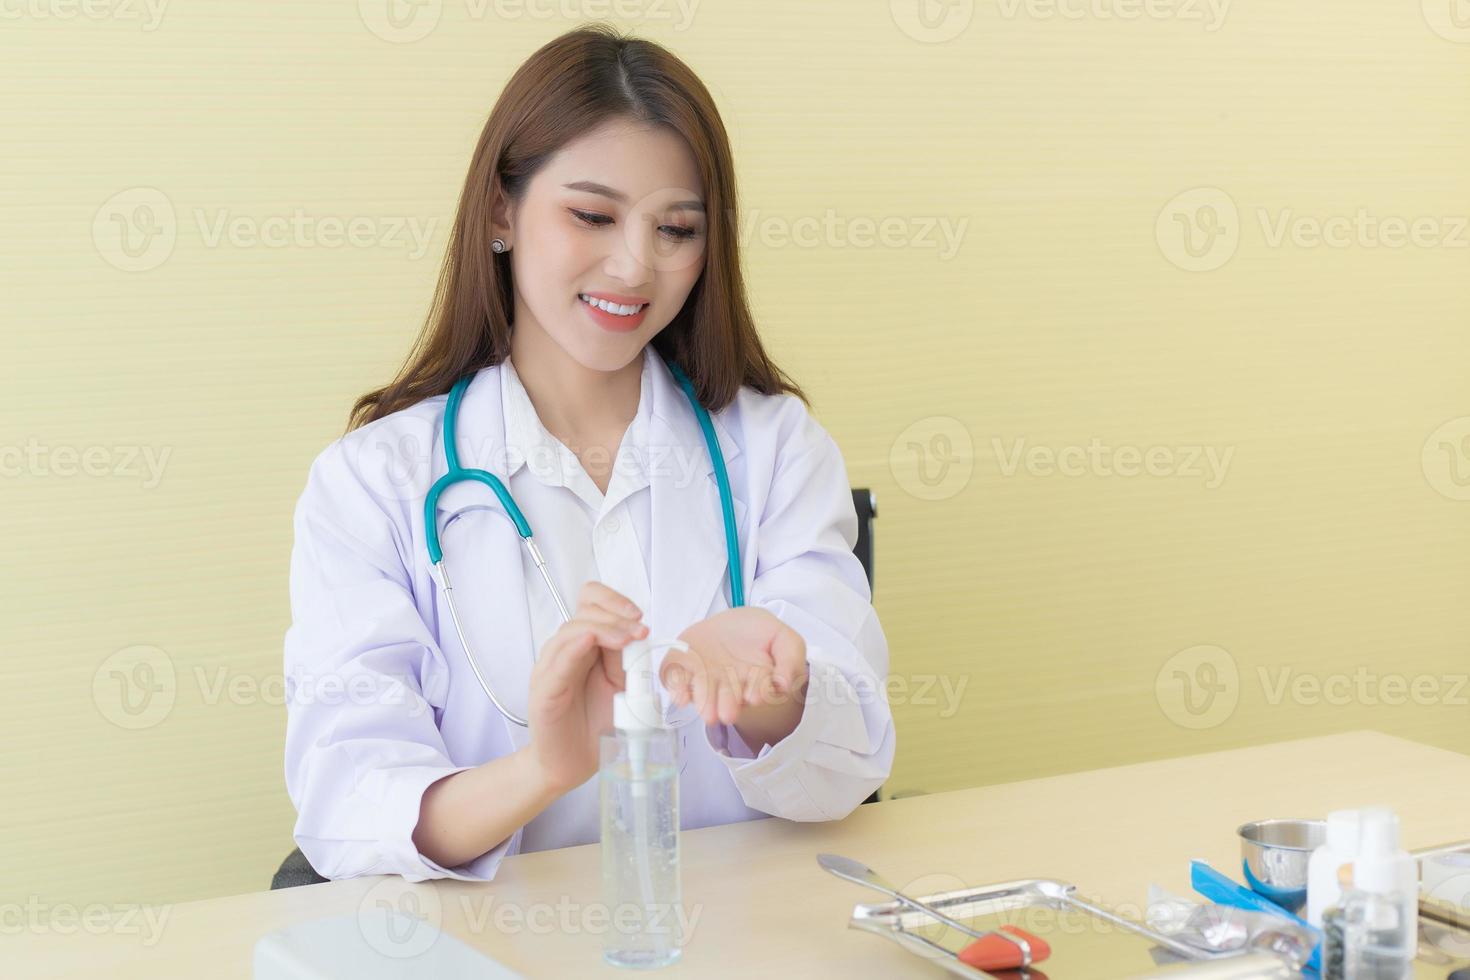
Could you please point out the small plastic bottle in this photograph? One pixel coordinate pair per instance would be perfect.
(1323, 890)
(1372, 934)
(639, 779)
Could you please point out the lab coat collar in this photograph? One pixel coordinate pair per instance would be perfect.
(674, 416)
(531, 446)
(483, 425)
(528, 443)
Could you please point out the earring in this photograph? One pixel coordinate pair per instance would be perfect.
(497, 246)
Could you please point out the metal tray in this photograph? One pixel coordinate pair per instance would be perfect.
(1086, 940)
(1090, 941)
(1442, 912)
(1444, 927)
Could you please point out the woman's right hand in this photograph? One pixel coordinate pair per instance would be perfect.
(572, 684)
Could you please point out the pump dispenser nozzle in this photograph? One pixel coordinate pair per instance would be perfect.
(637, 708)
(637, 712)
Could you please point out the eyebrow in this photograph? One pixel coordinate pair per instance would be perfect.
(593, 187)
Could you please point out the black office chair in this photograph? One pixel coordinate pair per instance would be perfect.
(866, 505)
(296, 870)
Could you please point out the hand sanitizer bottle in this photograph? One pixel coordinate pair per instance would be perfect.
(639, 779)
(1372, 934)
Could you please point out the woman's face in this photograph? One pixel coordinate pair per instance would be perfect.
(617, 214)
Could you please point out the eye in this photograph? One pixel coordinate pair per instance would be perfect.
(679, 233)
(591, 218)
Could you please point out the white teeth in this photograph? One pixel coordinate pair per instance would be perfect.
(615, 308)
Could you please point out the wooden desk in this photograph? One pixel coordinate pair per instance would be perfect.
(764, 906)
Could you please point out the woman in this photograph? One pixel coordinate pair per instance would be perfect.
(593, 253)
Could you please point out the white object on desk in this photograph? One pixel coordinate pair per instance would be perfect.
(1447, 878)
(376, 944)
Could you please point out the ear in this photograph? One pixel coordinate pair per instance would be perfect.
(502, 215)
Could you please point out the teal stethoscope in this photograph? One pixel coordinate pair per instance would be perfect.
(458, 474)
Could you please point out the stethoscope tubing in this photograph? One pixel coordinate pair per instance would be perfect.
(455, 473)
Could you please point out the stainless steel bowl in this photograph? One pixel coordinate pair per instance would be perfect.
(1274, 856)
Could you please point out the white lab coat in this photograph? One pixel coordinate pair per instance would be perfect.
(382, 702)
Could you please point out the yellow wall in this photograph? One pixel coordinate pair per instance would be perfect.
(1061, 149)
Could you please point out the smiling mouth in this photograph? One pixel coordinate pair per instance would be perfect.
(616, 309)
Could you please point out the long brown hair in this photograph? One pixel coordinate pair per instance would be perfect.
(569, 87)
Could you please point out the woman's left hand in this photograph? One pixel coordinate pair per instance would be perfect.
(744, 668)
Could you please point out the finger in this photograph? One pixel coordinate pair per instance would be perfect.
(578, 633)
(603, 613)
(759, 687)
(598, 614)
(728, 698)
(676, 678)
(567, 659)
(597, 594)
(788, 657)
(612, 668)
(733, 675)
(701, 694)
(613, 635)
(679, 667)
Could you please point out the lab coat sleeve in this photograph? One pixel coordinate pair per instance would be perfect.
(807, 575)
(364, 680)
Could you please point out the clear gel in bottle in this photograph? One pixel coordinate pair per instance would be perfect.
(639, 779)
(1372, 933)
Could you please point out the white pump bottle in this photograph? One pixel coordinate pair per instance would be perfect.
(640, 815)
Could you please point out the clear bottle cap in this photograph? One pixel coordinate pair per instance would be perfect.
(1376, 867)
